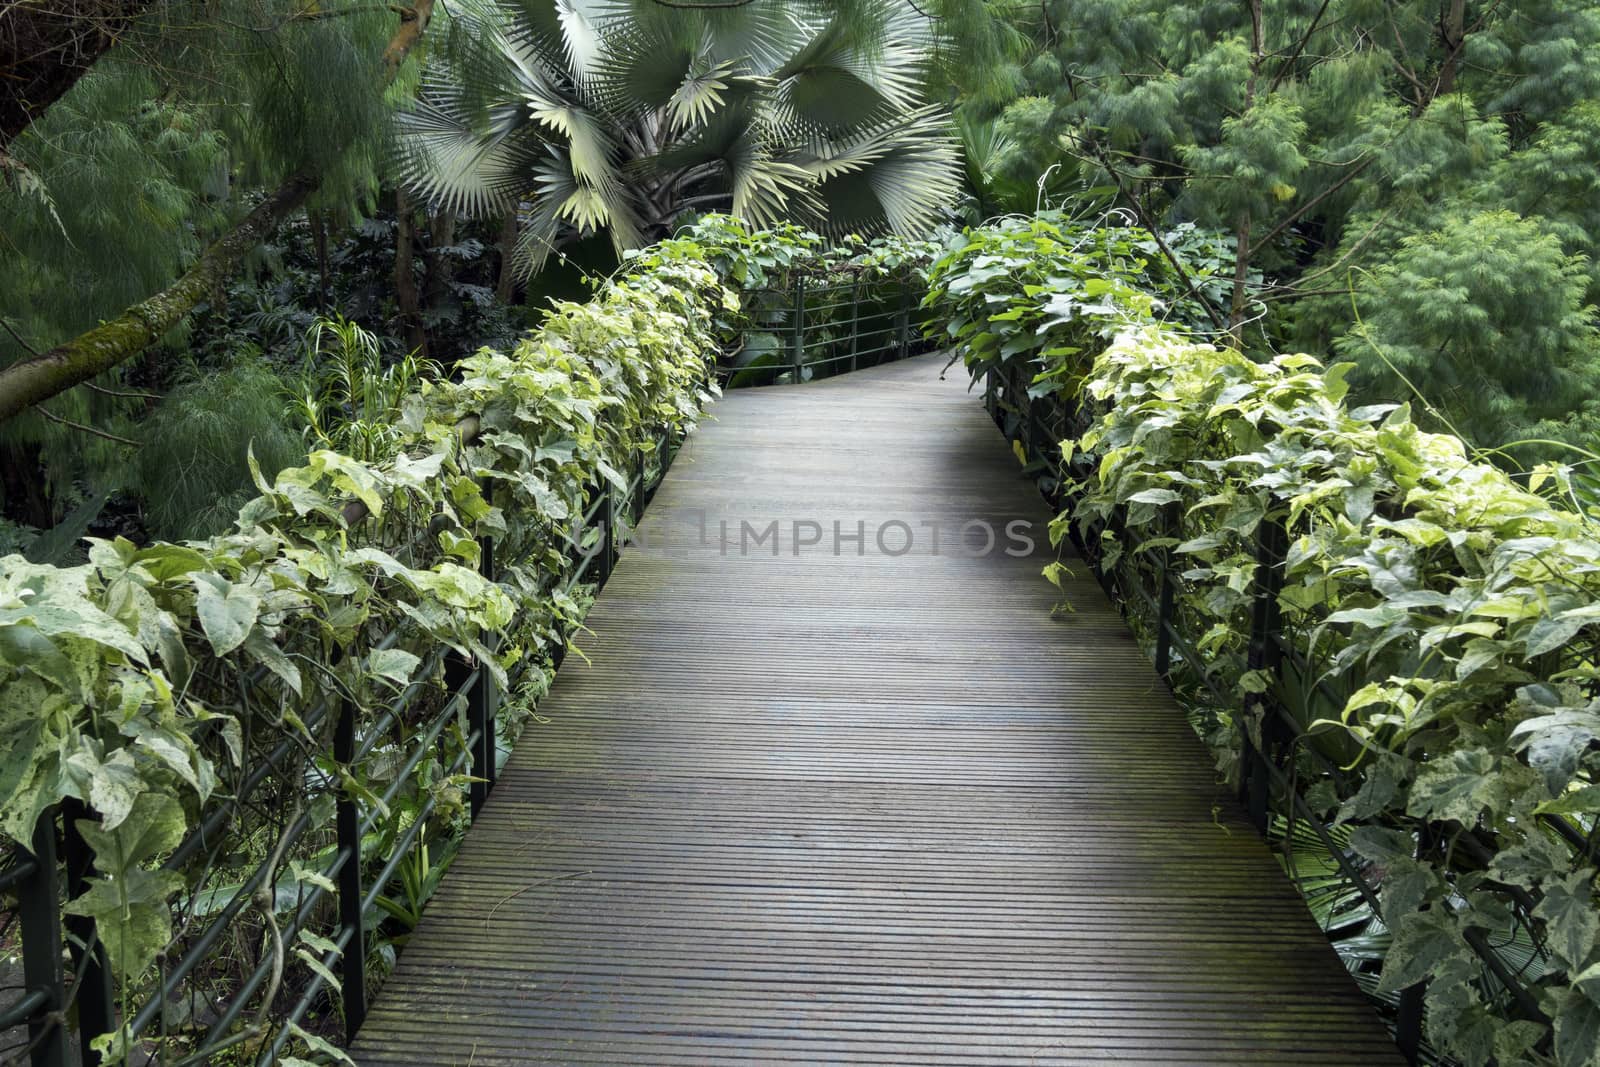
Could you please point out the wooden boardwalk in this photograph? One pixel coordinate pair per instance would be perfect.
(871, 808)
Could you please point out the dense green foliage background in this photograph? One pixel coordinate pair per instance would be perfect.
(1414, 182)
(1410, 190)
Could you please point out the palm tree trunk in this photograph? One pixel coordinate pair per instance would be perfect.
(405, 275)
(505, 285)
(439, 265)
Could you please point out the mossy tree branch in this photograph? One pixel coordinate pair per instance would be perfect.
(28, 381)
(37, 378)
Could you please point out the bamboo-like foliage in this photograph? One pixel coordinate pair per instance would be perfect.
(620, 115)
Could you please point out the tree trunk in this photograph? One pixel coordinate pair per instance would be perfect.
(22, 482)
(439, 265)
(405, 276)
(413, 21)
(505, 286)
(29, 381)
(1453, 32)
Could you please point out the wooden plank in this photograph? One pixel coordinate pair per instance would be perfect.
(801, 806)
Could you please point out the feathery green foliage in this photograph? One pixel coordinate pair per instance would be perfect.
(169, 139)
(1360, 155)
(192, 456)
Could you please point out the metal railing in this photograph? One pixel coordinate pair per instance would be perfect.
(1281, 759)
(816, 327)
(66, 1008)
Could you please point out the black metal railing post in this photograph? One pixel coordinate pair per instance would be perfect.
(481, 707)
(904, 320)
(636, 505)
(1165, 595)
(1409, 1010)
(797, 342)
(855, 322)
(608, 533)
(39, 915)
(1263, 660)
(1038, 438)
(1408, 1022)
(97, 1010)
(347, 819)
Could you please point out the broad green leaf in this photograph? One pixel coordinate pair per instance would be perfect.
(1571, 921)
(110, 786)
(1527, 864)
(1459, 786)
(1423, 942)
(1577, 1027)
(132, 916)
(396, 665)
(1555, 743)
(227, 611)
(129, 903)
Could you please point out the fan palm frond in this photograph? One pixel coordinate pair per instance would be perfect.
(699, 94)
(899, 173)
(581, 35)
(856, 66)
(618, 115)
(767, 190)
(448, 159)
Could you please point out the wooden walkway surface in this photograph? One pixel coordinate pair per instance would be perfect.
(861, 808)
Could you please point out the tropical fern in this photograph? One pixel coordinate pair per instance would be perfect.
(621, 115)
(349, 397)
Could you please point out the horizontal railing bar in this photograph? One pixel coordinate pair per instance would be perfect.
(869, 316)
(848, 355)
(844, 339)
(340, 944)
(581, 566)
(30, 1006)
(304, 912)
(421, 749)
(399, 704)
(197, 951)
(380, 881)
(403, 844)
(21, 870)
(214, 824)
(257, 976)
(214, 930)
